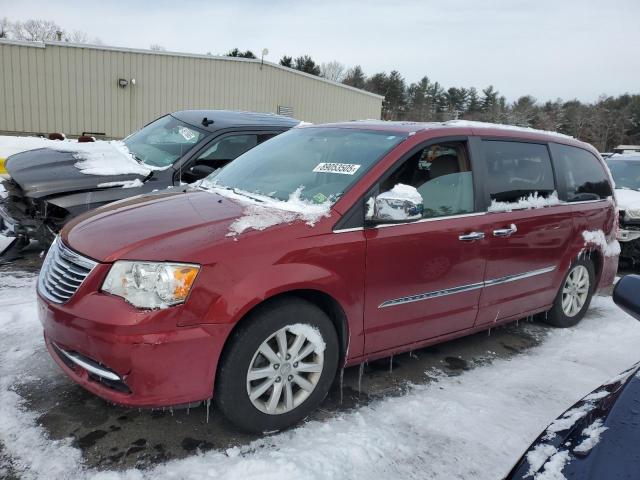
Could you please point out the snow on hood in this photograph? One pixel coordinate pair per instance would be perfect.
(261, 212)
(10, 145)
(124, 184)
(101, 158)
(105, 158)
(532, 201)
(627, 199)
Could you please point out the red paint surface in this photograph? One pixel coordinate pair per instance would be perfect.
(170, 356)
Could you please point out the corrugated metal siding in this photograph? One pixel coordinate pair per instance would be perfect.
(74, 89)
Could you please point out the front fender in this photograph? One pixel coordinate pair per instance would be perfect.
(239, 298)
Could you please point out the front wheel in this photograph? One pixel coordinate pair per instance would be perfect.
(278, 367)
(574, 297)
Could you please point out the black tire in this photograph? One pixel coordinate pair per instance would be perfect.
(556, 316)
(231, 395)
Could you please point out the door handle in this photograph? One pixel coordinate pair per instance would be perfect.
(505, 232)
(470, 237)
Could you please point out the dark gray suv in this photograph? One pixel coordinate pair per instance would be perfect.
(49, 186)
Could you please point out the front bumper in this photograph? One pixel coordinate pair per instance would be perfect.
(131, 357)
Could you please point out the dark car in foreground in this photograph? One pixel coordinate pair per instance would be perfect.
(329, 245)
(49, 186)
(598, 437)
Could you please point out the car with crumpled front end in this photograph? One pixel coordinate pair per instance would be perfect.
(48, 186)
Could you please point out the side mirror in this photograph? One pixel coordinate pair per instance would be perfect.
(627, 295)
(402, 203)
(200, 171)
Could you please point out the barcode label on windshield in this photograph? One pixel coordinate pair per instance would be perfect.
(341, 168)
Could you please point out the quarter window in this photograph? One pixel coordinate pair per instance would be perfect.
(583, 174)
(440, 174)
(517, 169)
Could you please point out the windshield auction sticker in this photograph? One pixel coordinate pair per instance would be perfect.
(341, 168)
(186, 133)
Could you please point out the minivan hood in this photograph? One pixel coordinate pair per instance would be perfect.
(44, 172)
(168, 226)
(627, 199)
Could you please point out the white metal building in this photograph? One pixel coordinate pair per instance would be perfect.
(111, 91)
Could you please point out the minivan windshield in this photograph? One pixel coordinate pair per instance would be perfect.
(626, 173)
(164, 141)
(319, 162)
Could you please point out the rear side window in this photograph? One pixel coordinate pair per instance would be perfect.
(582, 174)
(516, 170)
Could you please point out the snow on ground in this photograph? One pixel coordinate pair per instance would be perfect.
(472, 426)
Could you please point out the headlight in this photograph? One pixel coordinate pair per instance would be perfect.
(151, 285)
(633, 213)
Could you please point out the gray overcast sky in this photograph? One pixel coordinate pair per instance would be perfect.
(549, 49)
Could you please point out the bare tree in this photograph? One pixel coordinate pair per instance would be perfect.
(35, 30)
(5, 27)
(157, 48)
(333, 70)
(77, 36)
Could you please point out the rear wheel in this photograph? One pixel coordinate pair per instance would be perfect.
(574, 297)
(278, 367)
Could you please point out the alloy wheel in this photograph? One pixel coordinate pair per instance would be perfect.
(575, 291)
(284, 371)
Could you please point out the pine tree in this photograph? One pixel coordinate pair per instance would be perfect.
(355, 77)
(236, 52)
(304, 63)
(286, 61)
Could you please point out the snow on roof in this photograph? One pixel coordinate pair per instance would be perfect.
(411, 127)
(499, 126)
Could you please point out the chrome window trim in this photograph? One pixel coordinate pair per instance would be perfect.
(587, 201)
(465, 288)
(347, 230)
(434, 219)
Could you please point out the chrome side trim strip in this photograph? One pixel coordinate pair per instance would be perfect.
(426, 296)
(101, 372)
(518, 276)
(465, 288)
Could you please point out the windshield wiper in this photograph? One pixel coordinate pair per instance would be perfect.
(245, 194)
(136, 157)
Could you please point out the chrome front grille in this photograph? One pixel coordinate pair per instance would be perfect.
(62, 273)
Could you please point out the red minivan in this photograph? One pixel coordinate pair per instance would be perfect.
(326, 246)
